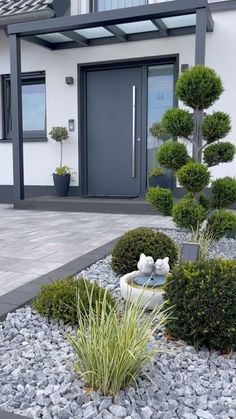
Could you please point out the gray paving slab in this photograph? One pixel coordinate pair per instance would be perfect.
(34, 243)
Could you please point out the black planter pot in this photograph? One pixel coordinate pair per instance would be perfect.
(164, 181)
(62, 184)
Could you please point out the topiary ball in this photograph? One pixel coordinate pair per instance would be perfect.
(194, 177)
(188, 214)
(223, 192)
(220, 223)
(161, 199)
(216, 126)
(128, 248)
(178, 122)
(59, 300)
(199, 87)
(202, 299)
(172, 155)
(219, 153)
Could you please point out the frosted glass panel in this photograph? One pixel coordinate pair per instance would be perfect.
(54, 37)
(118, 4)
(92, 33)
(180, 21)
(160, 98)
(34, 107)
(137, 27)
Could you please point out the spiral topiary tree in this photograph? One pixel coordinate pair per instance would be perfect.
(199, 88)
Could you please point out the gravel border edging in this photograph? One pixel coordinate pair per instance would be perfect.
(26, 293)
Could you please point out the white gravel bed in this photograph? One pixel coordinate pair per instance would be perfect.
(37, 379)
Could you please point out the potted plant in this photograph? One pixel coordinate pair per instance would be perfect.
(157, 176)
(62, 174)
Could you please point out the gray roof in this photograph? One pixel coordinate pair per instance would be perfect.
(17, 7)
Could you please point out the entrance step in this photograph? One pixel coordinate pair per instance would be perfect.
(97, 205)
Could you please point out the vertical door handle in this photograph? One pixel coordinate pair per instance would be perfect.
(134, 132)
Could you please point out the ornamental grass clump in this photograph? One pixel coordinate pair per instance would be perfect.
(112, 347)
(198, 88)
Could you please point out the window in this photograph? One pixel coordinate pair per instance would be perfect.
(33, 106)
(101, 5)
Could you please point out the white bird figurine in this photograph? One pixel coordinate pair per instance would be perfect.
(146, 264)
(162, 266)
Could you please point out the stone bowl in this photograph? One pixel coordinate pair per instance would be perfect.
(148, 297)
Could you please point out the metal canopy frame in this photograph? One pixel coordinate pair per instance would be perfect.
(67, 26)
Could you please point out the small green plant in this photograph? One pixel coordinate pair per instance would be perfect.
(172, 155)
(59, 134)
(111, 348)
(62, 171)
(157, 171)
(219, 153)
(178, 122)
(157, 131)
(223, 192)
(220, 223)
(128, 248)
(203, 301)
(188, 214)
(161, 199)
(193, 176)
(59, 299)
(216, 126)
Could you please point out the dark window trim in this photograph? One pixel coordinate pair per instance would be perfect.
(27, 78)
(93, 5)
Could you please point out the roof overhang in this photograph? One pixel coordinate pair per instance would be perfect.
(158, 20)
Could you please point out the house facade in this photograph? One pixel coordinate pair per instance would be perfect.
(105, 69)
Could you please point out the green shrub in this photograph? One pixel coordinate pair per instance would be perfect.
(172, 155)
(223, 192)
(157, 130)
(59, 134)
(204, 201)
(188, 214)
(216, 126)
(220, 223)
(203, 301)
(59, 299)
(199, 87)
(193, 176)
(178, 122)
(161, 199)
(219, 153)
(128, 248)
(112, 349)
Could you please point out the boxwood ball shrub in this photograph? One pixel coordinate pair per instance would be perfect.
(58, 300)
(219, 153)
(202, 297)
(223, 192)
(161, 199)
(216, 126)
(128, 248)
(193, 176)
(178, 122)
(199, 87)
(221, 223)
(188, 214)
(172, 155)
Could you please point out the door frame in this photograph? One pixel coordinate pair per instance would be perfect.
(143, 63)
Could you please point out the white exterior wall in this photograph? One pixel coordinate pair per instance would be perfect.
(40, 159)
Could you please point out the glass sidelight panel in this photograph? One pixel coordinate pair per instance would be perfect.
(160, 98)
(102, 5)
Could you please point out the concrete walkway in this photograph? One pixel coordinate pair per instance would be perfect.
(34, 243)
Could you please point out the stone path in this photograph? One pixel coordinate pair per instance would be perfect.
(34, 243)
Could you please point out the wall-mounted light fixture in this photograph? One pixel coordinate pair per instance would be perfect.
(71, 125)
(69, 80)
(184, 67)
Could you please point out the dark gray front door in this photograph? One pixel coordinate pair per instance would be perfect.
(113, 132)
